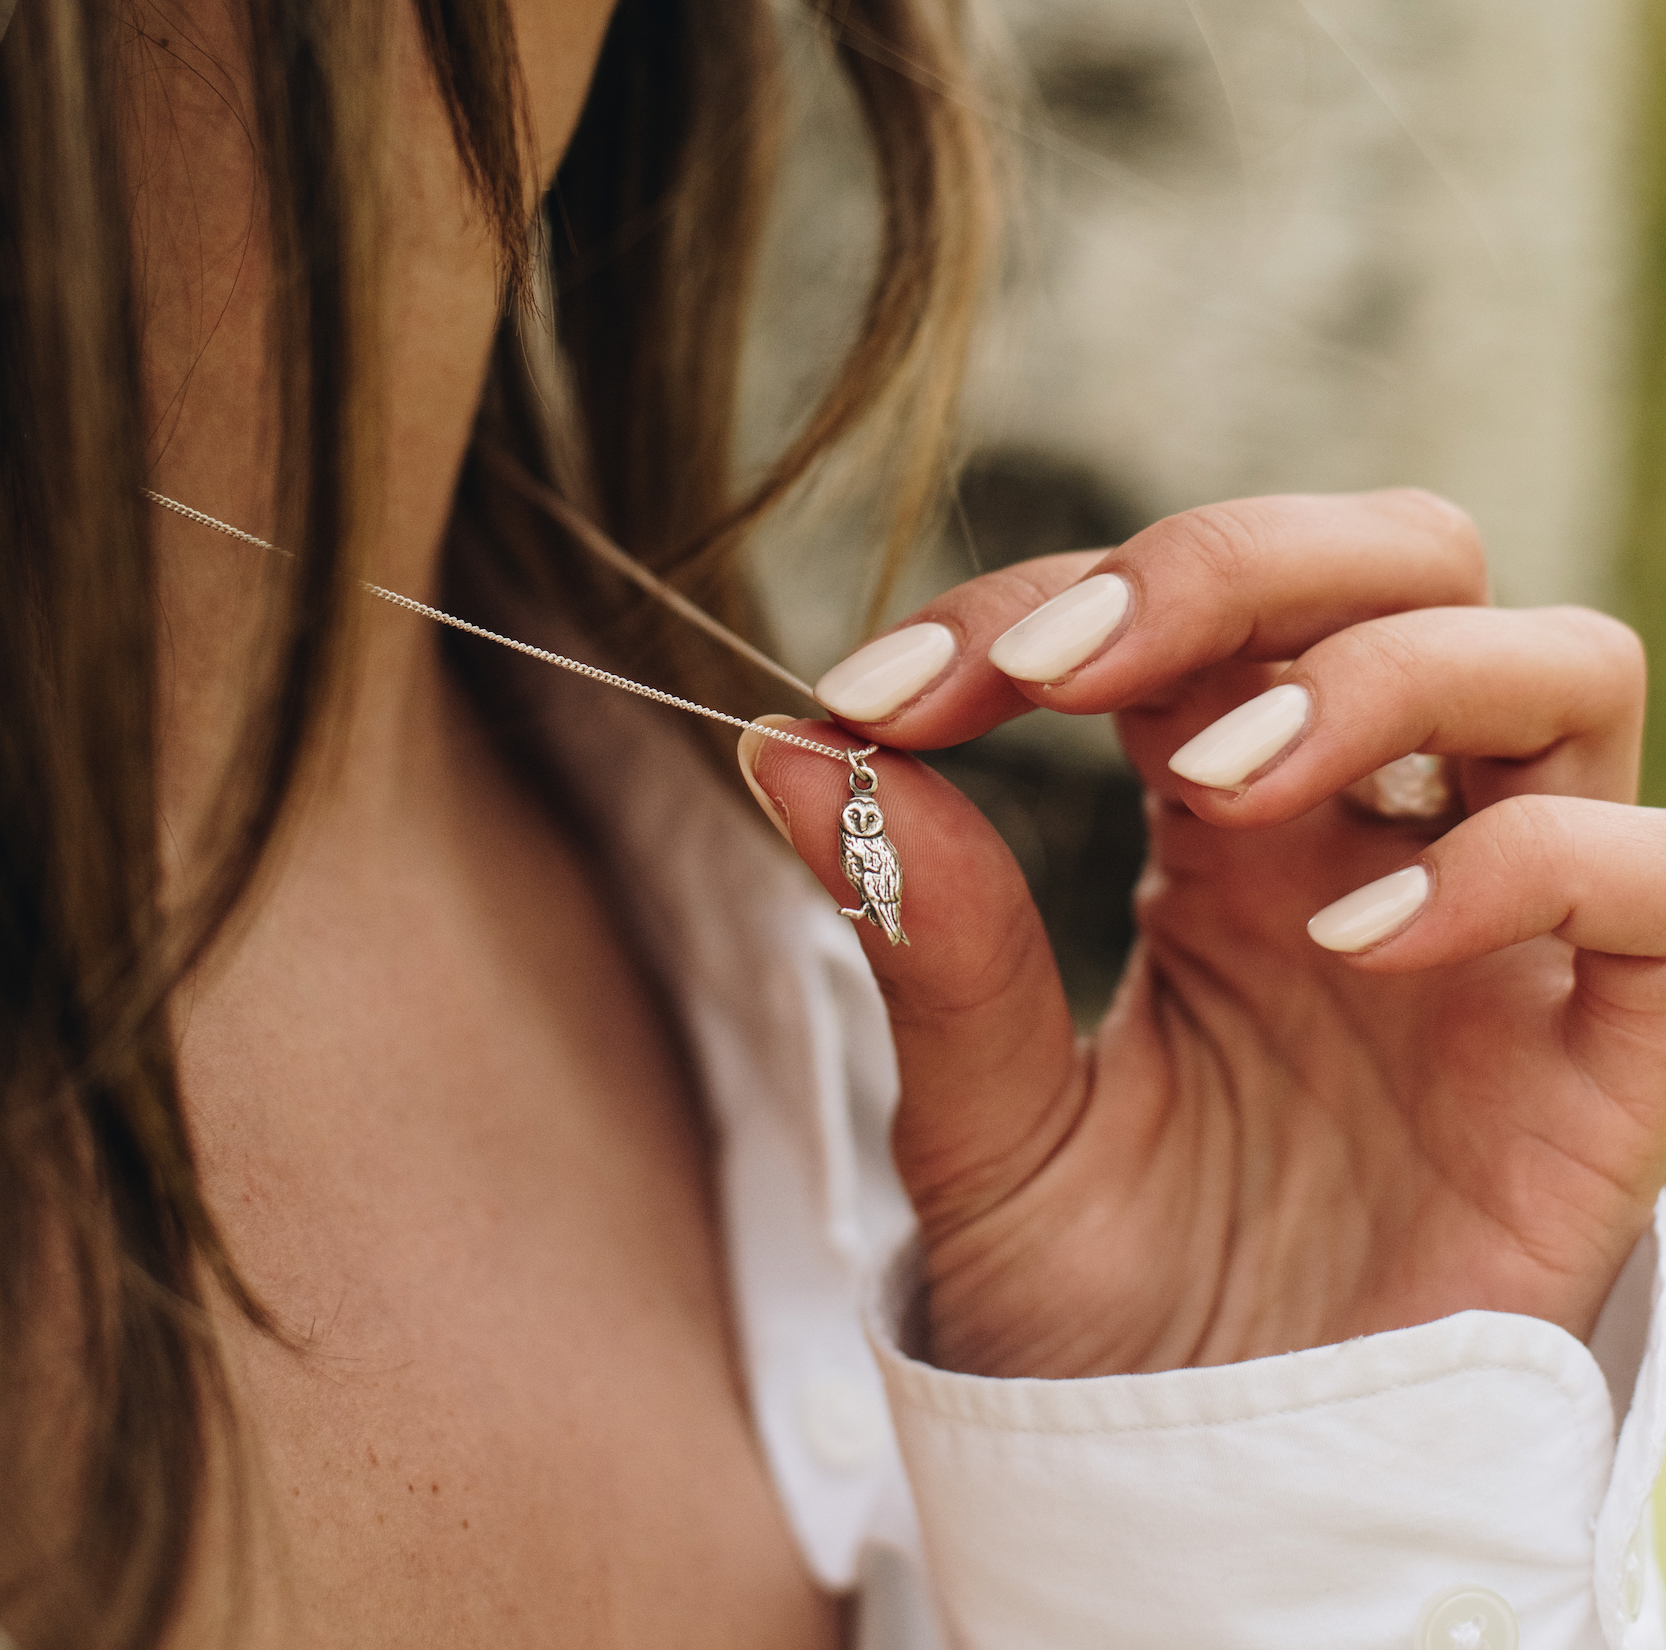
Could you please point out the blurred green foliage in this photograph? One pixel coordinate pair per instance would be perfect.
(1643, 567)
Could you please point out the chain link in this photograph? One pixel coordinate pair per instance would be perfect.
(577, 666)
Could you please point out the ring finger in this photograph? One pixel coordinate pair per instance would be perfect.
(1546, 700)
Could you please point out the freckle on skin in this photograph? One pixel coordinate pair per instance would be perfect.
(411, 1488)
(435, 1488)
(465, 1523)
(372, 1454)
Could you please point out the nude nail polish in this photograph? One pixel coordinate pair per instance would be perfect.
(1061, 634)
(746, 753)
(1229, 750)
(879, 679)
(1371, 913)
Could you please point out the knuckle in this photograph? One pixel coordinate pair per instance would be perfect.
(1452, 527)
(1381, 649)
(1393, 647)
(1439, 515)
(1617, 647)
(1530, 834)
(1218, 539)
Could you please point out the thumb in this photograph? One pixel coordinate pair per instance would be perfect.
(985, 1043)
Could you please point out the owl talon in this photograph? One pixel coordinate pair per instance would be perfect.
(860, 911)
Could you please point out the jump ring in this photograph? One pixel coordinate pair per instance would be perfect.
(862, 778)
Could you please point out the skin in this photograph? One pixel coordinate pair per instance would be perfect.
(449, 1139)
(1269, 1146)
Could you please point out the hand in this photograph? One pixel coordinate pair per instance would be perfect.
(1268, 1144)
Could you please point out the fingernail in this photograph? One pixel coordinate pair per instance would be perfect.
(883, 676)
(1244, 739)
(1371, 913)
(1060, 634)
(746, 753)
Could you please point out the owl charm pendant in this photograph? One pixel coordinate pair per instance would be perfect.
(865, 853)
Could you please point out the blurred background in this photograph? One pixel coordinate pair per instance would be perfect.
(1263, 245)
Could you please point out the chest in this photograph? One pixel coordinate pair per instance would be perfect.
(462, 1165)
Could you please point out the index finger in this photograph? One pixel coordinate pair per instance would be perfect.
(1257, 579)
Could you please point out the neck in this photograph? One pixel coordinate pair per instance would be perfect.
(206, 273)
(212, 407)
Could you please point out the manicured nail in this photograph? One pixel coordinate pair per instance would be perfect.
(746, 753)
(883, 676)
(1245, 739)
(1373, 912)
(1061, 634)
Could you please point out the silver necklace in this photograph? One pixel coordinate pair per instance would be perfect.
(866, 855)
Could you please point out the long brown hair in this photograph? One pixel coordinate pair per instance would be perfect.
(649, 241)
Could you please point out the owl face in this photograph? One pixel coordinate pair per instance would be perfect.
(862, 817)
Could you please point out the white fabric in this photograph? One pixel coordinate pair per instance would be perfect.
(1303, 1502)
(1292, 1503)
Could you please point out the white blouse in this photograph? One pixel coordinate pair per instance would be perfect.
(1447, 1487)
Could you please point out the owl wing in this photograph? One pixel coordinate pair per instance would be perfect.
(852, 863)
(881, 885)
(881, 881)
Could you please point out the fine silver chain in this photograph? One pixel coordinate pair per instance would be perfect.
(577, 666)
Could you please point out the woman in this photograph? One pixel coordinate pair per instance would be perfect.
(444, 1136)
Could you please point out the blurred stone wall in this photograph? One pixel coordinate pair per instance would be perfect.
(1261, 245)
